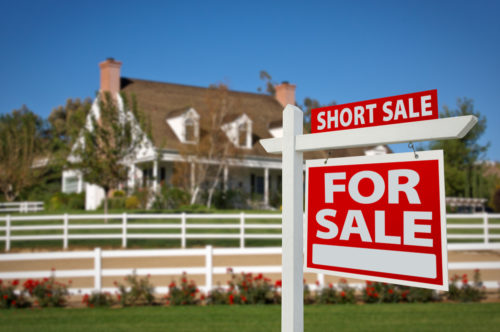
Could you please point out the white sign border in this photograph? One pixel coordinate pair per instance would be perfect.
(396, 157)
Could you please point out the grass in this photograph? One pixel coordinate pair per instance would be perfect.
(381, 317)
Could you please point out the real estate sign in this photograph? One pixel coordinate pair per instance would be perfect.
(379, 218)
(410, 107)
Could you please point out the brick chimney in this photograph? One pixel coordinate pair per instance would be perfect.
(110, 76)
(285, 93)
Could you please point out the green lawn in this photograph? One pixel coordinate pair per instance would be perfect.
(381, 317)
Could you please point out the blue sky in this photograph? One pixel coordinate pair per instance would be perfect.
(343, 51)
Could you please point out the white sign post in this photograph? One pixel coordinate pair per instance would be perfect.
(292, 145)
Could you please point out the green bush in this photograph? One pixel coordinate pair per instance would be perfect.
(135, 291)
(76, 201)
(468, 292)
(9, 298)
(132, 203)
(98, 300)
(229, 199)
(116, 203)
(47, 292)
(118, 193)
(171, 198)
(184, 294)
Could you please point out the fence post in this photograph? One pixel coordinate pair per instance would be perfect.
(208, 268)
(485, 226)
(97, 270)
(321, 280)
(124, 230)
(183, 230)
(242, 230)
(7, 233)
(65, 232)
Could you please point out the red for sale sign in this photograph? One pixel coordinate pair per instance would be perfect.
(410, 107)
(378, 218)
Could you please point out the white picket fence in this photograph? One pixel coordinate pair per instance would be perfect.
(21, 207)
(208, 269)
(68, 230)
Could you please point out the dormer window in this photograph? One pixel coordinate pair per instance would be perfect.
(242, 135)
(238, 129)
(190, 131)
(185, 123)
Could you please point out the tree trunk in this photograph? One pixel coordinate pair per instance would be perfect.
(105, 205)
(195, 194)
(214, 185)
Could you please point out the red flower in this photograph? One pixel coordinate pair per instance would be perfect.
(390, 291)
(375, 295)
(342, 294)
(229, 270)
(243, 298)
(317, 282)
(368, 283)
(343, 281)
(5, 297)
(278, 283)
(13, 303)
(15, 282)
(330, 285)
(85, 299)
(202, 297)
(231, 299)
(119, 297)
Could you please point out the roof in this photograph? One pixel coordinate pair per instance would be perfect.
(160, 101)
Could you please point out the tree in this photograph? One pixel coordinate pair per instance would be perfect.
(107, 143)
(463, 174)
(66, 123)
(268, 81)
(22, 141)
(211, 154)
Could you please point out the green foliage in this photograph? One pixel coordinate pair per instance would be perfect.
(463, 176)
(135, 291)
(22, 142)
(496, 199)
(107, 143)
(61, 201)
(171, 198)
(230, 199)
(98, 300)
(467, 292)
(248, 289)
(9, 298)
(47, 292)
(132, 203)
(183, 294)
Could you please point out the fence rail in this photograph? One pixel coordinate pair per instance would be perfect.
(207, 269)
(21, 207)
(480, 228)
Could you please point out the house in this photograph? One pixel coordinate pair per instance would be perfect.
(179, 117)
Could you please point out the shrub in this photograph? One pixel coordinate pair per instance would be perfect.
(328, 295)
(414, 294)
(251, 289)
(137, 291)
(98, 300)
(229, 199)
(468, 292)
(76, 201)
(170, 198)
(47, 292)
(217, 296)
(132, 203)
(346, 293)
(118, 194)
(116, 203)
(9, 298)
(184, 294)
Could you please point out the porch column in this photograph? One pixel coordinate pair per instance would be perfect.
(79, 189)
(192, 177)
(226, 177)
(131, 175)
(266, 186)
(155, 175)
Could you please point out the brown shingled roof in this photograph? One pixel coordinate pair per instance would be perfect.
(159, 101)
